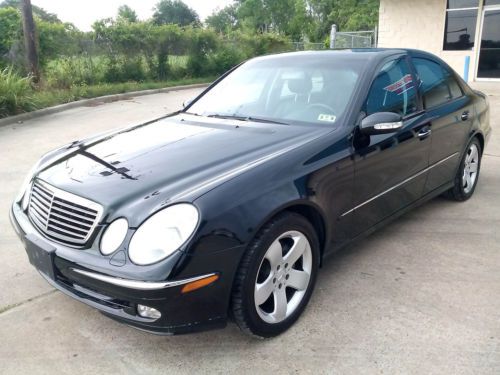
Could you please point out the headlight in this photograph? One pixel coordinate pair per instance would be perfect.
(163, 233)
(113, 236)
(26, 197)
(27, 182)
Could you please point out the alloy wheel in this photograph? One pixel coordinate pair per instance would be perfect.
(283, 277)
(471, 166)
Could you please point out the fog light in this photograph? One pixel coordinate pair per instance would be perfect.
(148, 312)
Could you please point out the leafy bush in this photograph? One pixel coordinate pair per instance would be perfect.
(202, 44)
(123, 69)
(260, 44)
(132, 69)
(10, 30)
(177, 66)
(16, 94)
(225, 58)
(139, 51)
(65, 72)
(57, 39)
(119, 54)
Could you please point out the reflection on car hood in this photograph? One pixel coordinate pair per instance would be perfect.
(172, 159)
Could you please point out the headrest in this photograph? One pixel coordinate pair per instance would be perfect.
(301, 86)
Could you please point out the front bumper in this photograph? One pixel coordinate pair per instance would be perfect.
(118, 297)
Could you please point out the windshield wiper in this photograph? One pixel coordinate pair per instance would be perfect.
(265, 120)
(248, 118)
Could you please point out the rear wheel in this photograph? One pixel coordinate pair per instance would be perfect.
(276, 276)
(468, 173)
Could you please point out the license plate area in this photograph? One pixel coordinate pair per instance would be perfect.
(41, 255)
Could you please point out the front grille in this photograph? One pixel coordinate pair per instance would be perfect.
(62, 216)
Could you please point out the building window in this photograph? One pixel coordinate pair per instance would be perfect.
(460, 29)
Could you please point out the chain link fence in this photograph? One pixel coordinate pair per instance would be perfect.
(307, 46)
(340, 40)
(356, 39)
(353, 39)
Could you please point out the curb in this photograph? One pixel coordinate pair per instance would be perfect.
(93, 101)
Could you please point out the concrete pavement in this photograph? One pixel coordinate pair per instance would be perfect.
(420, 296)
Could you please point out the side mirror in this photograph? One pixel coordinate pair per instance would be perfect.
(187, 102)
(381, 123)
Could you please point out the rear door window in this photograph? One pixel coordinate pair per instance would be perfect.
(438, 85)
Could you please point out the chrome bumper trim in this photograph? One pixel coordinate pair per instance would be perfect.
(139, 285)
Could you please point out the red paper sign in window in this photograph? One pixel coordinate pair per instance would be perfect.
(401, 86)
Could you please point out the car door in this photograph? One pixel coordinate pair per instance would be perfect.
(450, 113)
(390, 169)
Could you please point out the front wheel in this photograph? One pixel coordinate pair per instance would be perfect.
(276, 276)
(468, 173)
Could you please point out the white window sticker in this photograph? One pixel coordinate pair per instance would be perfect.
(327, 118)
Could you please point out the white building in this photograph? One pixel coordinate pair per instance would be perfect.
(464, 33)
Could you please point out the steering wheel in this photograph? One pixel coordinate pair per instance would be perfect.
(329, 109)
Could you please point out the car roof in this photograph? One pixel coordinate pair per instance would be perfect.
(356, 53)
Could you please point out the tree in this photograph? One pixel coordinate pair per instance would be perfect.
(300, 25)
(288, 17)
(126, 14)
(299, 19)
(30, 40)
(56, 39)
(176, 12)
(352, 15)
(348, 15)
(202, 43)
(10, 30)
(254, 16)
(37, 11)
(223, 20)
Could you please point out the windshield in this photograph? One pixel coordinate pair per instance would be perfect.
(284, 89)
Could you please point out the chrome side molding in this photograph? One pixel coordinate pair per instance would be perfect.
(399, 184)
(136, 284)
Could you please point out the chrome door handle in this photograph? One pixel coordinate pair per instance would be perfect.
(465, 116)
(424, 133)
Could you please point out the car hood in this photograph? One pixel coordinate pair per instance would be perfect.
(173, 159)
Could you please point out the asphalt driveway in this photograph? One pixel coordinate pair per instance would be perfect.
(420, 296)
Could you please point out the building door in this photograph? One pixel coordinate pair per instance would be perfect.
(489, 53)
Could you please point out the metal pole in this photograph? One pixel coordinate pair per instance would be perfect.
(333, 35)
(466, 68)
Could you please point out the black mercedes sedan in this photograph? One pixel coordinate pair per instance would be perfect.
(225, 209)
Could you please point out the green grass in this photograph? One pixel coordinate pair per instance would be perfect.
(69, 79)
(51, 97)
(15, 93)
(65, 72)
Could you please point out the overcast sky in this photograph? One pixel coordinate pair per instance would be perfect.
(83, 13)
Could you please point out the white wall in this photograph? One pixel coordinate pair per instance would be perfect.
(420, 24)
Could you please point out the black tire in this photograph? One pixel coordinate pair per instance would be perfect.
(459, 192)
(244, 309)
